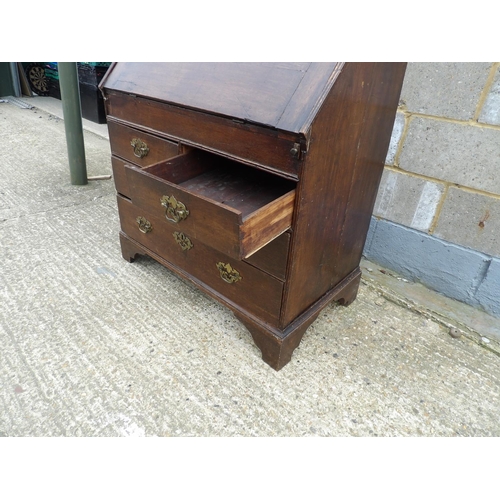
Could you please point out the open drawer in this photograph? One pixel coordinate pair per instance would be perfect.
(229, 206)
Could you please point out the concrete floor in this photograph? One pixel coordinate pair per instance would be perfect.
(94, 346)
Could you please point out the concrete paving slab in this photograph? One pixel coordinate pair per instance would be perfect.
(95, 346)
(53, 107)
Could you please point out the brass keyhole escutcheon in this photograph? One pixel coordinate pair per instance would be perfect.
(175, 211)
(295, 151)
(227, 273)
(140, 148)
(184, 242)
(144, 225)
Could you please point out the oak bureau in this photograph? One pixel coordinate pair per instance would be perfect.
(254, 181)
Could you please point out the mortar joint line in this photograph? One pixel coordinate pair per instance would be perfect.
(398, 169)
(446, 186)
(435, 180)
(439, 209)
(402, 139)
(486, 90)
(471, 122)
(489, 194)
(481, 275)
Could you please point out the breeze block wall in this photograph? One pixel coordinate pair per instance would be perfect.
(437, 214)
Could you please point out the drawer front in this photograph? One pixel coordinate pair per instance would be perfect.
(138, 147)
(267, 148)
(273, 257)
(119, 176)
(209, 223)
(238, 282)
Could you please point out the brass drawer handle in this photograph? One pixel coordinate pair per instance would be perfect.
(227, 273)
(140, 148)
(183, 241)
(175, 211)
(144, 225)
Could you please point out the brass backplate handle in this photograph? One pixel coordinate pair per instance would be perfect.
(140, 148)
(175, 211)
(144, 225)
(184, 242)
(227, 273)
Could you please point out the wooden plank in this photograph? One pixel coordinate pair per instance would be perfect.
(266, 224)
(243, 188)
(182, 168)
(219, 184)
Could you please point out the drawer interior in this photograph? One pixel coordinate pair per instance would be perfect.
(221, 180)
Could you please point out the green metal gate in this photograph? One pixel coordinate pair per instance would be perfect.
(9, 80)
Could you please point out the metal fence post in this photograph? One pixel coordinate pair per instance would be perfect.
(72, 112)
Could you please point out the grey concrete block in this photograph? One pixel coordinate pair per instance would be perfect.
(461, 154)
(490, 112)
(450, 89)
(407, 200)
(472, 220)
(488, 293)
(449, 269)
(371, 232)
(397, 132)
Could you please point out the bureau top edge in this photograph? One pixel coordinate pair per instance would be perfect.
(282, 96)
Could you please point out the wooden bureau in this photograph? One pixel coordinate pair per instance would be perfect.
(254, 181)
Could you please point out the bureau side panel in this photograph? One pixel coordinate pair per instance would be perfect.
(339, 181)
